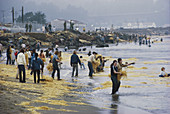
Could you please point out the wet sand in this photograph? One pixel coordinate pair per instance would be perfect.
(84, 95)
(20, 98)
(50, 96)
(47, 97)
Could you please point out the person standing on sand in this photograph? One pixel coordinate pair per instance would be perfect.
(49, 26)
(26, 27)
(13, 55)
(30, 27)
(114, 72)
(38, 46)
(47, 52)
(74, 63)
(36, 67)
(26, 58)
(0, 50)
(8, 53)
(65, 26)
(42, 57)
(43, 29)
(46, 28)
(55, 61)
(60, 58)
(16, 54)
(29, 58)
(32, 57)
(21, 65)
(90, 61)
(120, 65)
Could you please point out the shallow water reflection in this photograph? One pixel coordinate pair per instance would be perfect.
(143, 90)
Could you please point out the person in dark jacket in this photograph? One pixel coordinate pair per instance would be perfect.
(8, 54)
(89, 53)
(114, 72)
(36, 67)
(55, 61)
(49, 26)
(32, 58)
(74, 63)
(30, 27)
(26, 27)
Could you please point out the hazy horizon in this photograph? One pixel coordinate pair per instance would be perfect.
(97, 12)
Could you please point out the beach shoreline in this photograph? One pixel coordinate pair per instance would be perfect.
(42, 98)
(19, 103)
(27, 98)
(17, 98)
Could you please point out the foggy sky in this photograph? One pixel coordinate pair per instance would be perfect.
(101, 12)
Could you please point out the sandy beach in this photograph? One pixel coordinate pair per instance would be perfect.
(48, 96)
(84, 56)
(81, 95)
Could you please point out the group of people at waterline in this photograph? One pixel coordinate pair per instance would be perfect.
(26, 59)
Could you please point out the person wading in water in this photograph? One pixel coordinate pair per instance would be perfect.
(114, 72)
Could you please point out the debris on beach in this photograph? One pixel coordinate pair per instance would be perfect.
(50, 91)
(158, 61)
(134, 68)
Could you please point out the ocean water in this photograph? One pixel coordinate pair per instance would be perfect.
(142, 90)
